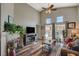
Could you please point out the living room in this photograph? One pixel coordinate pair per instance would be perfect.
(34, 29)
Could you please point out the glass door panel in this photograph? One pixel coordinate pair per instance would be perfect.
(48, 34)
(59, 28)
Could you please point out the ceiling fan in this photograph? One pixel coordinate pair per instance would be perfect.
(49, 9)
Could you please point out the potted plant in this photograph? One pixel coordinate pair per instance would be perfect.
(13, 29)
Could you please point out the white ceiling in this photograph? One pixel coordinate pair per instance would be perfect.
(38, 6)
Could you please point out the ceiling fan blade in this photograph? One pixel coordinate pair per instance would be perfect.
(51, 6)
(53, 9)
(44, 8)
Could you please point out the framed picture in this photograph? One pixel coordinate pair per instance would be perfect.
(71, 25)
(10, 19)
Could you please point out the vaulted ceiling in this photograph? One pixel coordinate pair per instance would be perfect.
(38, 6)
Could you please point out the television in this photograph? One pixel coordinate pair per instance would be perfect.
(30, 29)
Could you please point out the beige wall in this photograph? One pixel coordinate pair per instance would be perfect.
(69, 14)
(78, 12)
(6, 9)
(25, 15)
(78, 17)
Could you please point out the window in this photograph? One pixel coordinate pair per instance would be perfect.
(59, 19)
(48, 20)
